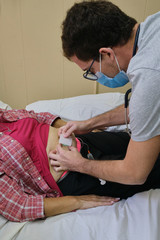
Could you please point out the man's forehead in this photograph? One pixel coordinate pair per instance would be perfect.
(84, 65)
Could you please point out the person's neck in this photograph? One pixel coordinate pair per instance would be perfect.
(124, 53)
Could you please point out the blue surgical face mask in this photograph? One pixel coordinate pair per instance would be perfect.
(119, 80)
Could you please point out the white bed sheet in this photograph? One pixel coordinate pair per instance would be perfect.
(136, 218)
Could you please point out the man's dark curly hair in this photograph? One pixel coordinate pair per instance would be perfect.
(93, 24)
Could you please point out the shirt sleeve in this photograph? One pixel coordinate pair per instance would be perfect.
(14, 115)
(45, 117)
(144, 107)
(16, 205)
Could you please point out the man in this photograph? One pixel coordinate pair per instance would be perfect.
(113, 49)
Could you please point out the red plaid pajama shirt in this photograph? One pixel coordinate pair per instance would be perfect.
(22, 189)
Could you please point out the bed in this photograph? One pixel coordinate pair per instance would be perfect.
(138, 217)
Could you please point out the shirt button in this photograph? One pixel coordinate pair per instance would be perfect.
(1, 133)
(27, 158)
(39, 178)
(55, 192)
(12, 140)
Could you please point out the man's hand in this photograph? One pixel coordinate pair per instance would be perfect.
(62, 160)
(77, 127)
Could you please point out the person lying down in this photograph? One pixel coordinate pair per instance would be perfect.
(31, 189)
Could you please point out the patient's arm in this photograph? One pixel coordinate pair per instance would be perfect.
(55, 206)
(58, 123)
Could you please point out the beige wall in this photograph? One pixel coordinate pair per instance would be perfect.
(31, 63)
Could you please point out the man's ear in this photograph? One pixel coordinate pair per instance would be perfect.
(107, 51)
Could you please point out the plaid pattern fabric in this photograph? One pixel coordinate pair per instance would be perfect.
(22, 188)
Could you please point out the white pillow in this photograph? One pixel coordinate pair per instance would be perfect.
(4, 106)
(80, 107)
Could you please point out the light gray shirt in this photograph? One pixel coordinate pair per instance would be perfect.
(144, 75)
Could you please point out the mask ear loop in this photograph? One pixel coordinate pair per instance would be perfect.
(100, 61)
(116, 60)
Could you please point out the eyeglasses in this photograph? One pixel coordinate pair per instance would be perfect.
(90, 75)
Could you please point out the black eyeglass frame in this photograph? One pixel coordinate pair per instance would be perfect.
(88, 72)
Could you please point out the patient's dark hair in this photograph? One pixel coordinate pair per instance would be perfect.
(93, 24)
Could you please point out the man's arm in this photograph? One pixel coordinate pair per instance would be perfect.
(107, 119)
(111, 118)
(134, 169)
